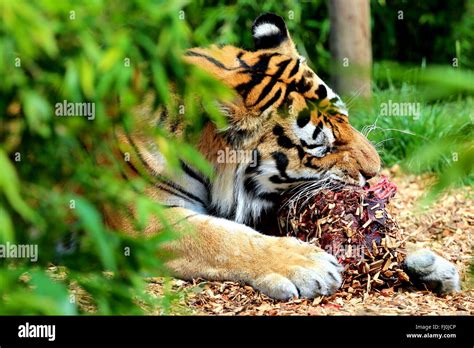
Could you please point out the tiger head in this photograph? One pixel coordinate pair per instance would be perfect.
(297, 126)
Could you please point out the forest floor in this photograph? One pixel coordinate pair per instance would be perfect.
(446, 228)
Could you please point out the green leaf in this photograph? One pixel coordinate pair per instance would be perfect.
(87, 77)
(109, 59)
(161, 82)
(10, 187)
(71, 81)
(54, 291)
(37, 111)
(6, 227)
(92, 222)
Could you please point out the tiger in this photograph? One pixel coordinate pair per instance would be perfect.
(294, 129)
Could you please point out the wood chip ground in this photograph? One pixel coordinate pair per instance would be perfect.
(447, 228)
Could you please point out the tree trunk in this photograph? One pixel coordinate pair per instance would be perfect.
(351, 48)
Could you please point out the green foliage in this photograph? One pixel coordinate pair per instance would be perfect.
(431, 31)
(51, 183)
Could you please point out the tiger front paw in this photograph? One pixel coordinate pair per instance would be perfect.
(292, 268)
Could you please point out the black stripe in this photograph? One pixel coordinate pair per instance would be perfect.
(169, 206)
(189, 171)
(245, 88)
(214, 210)
(256, 78)
(263, 61)
(162, 118)
(309, 163)
(208, 58)
(162, 179)
(277, 180)
(135, 170)
(251, 186)
(317, 130)
(268, 88)
(271, 101)
(285, 142)
(237, 136)
(161, 187)
(123, 174)
(301, 152)
(196, 176)
(312, 146)
(265, 91)
(180, 189)
(241, 61)
(322, 91)
(278, 130)
(295, 69)
(291, 87)
(251, 169)
(303, 118)
(287, 180)
(282, 162)
(303, 86)
(140, 158)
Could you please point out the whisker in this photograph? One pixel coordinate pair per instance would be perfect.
(381, 142)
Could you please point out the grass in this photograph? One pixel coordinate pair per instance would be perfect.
(434, 138)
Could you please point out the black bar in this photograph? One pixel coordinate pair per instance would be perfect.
(347, 331)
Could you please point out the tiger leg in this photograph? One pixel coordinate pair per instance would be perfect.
(220, 249)
(428, 268)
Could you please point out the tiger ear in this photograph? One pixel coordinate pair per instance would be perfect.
(269, 31)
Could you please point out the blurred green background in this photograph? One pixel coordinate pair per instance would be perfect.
(52, 188)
